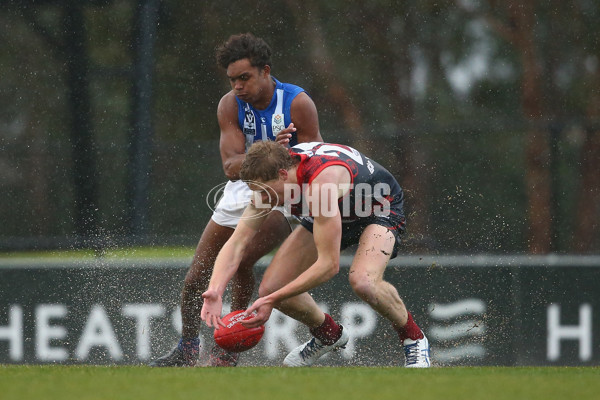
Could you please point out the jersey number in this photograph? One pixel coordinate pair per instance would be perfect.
(331, 150)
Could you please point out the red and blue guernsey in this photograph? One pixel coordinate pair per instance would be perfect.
(265, 124)
(374, 192)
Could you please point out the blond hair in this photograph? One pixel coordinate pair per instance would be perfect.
(264, 160)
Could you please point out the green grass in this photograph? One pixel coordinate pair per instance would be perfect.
(364, 383)
(116, 253)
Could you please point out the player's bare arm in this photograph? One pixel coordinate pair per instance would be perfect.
(306, 121)
(327, 233)
(232, 143)
(332, 184)
(227, 264)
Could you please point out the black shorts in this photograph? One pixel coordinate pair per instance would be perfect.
(351, 231)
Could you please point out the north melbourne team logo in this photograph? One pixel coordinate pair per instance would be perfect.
(249, 123)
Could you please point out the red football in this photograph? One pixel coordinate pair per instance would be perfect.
(234, 336)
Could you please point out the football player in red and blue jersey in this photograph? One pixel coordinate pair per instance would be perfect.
(343, 198)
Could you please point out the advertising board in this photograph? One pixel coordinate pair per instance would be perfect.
(474, 310)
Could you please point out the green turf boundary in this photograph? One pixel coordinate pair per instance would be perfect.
(110, 253)
(331, 383)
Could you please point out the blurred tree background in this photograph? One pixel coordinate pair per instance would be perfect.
(487, 112)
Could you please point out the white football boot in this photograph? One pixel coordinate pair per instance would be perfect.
(417, 353)
(308, 353)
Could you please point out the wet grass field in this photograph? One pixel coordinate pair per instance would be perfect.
(276, 383)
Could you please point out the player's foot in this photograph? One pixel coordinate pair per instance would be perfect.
(417, 353)
(176, 358)
(308, 353)
(222, 358)
(185, 354)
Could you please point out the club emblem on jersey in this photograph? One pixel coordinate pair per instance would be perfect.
(249, 123)
(277, 123)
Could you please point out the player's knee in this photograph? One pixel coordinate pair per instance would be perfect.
(196, 278)
(362, 285)
(200, 271)
(265, 289)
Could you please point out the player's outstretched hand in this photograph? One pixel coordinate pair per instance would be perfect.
(263, 307)
(212, 308)
(284, 136)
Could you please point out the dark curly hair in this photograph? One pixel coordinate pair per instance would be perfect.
(244, 45)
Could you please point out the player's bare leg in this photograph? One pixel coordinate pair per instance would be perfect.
(198, 276)
(196, 280)
(366, 278)
(273, 231)
(295, 256)
(271, 234)
(366, 274)
(185, 354)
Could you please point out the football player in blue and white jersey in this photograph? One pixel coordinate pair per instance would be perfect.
(258, 108)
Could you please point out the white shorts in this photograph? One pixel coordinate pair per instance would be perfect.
(236, 196)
